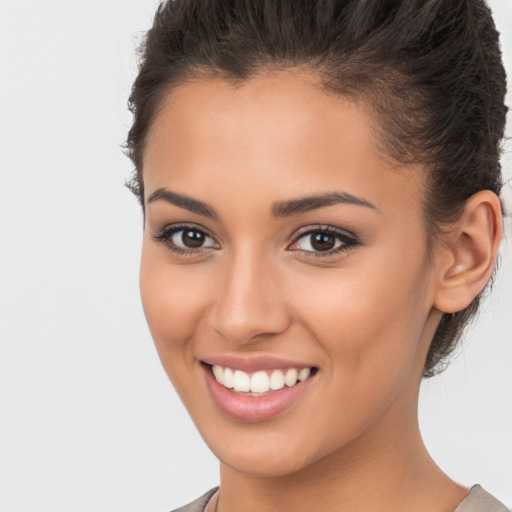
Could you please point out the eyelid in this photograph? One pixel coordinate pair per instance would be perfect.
(165, 235)
(313, 228)
(348, 239)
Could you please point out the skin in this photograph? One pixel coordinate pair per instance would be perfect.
(364, 316)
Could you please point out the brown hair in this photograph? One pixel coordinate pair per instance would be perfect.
(431, 71)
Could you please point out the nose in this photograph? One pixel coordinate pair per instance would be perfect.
(250, 302)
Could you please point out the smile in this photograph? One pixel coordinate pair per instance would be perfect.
(258, 395)
(260, 382)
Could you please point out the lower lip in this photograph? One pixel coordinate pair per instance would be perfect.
(254, 408)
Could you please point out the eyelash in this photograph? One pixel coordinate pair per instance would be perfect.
(165, 236)
(348, 241)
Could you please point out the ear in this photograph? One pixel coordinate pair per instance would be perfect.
(468, 253)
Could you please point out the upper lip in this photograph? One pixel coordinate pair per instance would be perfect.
(253, 363)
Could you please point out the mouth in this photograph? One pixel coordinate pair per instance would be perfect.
(260, 382)
(259, 395)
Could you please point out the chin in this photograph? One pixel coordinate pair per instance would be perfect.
(264, 466)
(263, 454)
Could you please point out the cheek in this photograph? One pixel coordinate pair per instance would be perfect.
(174, 300)
(369, 327)
(369, 322)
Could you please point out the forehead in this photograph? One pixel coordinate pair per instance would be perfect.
(279, 133)
(270, 110)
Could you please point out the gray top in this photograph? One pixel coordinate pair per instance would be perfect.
(200, 504)
(477, 500)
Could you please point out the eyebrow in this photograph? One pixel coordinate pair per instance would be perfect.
(192, 205)
(306, 204)
(279, 210)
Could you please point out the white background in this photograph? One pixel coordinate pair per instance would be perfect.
(88, 420)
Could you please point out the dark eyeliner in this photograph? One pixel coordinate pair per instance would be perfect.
(164, 236)
(348, 241)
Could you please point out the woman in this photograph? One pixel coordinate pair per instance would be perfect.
(320, 186)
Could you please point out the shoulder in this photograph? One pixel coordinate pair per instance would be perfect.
(479, 500)
(199, 504)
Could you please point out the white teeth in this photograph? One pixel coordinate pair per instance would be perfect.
(218, 371)
(290, 378)
(228, 378)
(304, 374)
(277, 380)
(241, 381)
(260, 383)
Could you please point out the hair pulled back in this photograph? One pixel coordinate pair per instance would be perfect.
(430, 70)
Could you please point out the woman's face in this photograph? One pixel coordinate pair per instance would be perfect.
(278, 241)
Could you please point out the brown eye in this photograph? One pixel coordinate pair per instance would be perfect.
(189, 238)
(322, 241)
(319, 241)
(192, 239)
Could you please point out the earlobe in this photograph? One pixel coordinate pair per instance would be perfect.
(469, 254)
